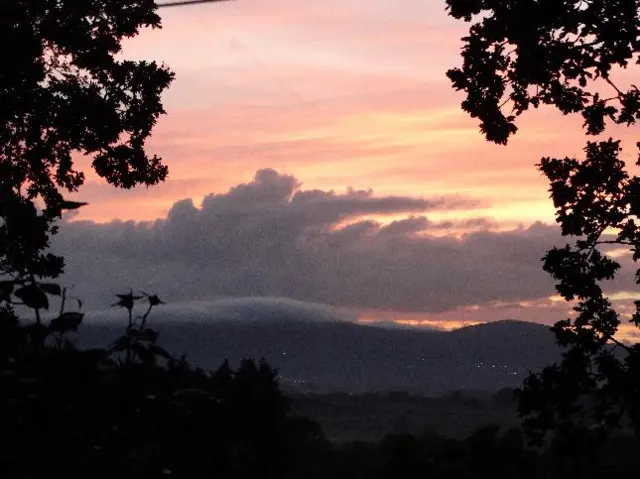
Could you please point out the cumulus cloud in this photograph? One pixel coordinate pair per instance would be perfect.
(269, 237)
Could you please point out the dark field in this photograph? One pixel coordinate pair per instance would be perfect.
(369, 417)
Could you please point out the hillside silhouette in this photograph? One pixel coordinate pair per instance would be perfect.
(343, 356)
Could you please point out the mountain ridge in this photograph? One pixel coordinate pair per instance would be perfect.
(343, 356)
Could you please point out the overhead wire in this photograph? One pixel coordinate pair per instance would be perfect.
(183, 3)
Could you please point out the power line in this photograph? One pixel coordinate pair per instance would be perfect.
(182, 3)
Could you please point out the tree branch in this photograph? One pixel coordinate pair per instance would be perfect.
(608, 337)
(608, 80)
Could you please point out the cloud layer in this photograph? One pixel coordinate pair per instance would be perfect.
(236, 309)
(269, 237)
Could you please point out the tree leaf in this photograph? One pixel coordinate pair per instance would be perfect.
(66, 322)
(6, 288)
(126, 300)
(32, 297)
(154, 300)
(71, 205)
(51, 288)
(36, 331)
(160, 351)
(121, 344)
(143, 334)
(145, 355)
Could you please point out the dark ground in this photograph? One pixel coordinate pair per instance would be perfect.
(369, 417)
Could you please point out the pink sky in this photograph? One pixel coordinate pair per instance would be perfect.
(338, 94)
(343, 93)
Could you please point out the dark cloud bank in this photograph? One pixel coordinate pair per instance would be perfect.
(271, 238)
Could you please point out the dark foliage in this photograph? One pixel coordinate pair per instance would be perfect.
(136, 411)
(526, 53)
(487, 453)
(64, 93)
(565, 53)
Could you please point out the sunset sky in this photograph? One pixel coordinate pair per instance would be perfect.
(286, 96)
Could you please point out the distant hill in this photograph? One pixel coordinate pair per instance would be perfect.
(343, 356)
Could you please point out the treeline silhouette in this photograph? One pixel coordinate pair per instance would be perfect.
(134, 410)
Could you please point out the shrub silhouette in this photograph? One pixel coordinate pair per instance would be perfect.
(133, 410)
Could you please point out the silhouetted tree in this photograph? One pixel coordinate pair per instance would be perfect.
(63, 93)
(566, 53)
(526, 53)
